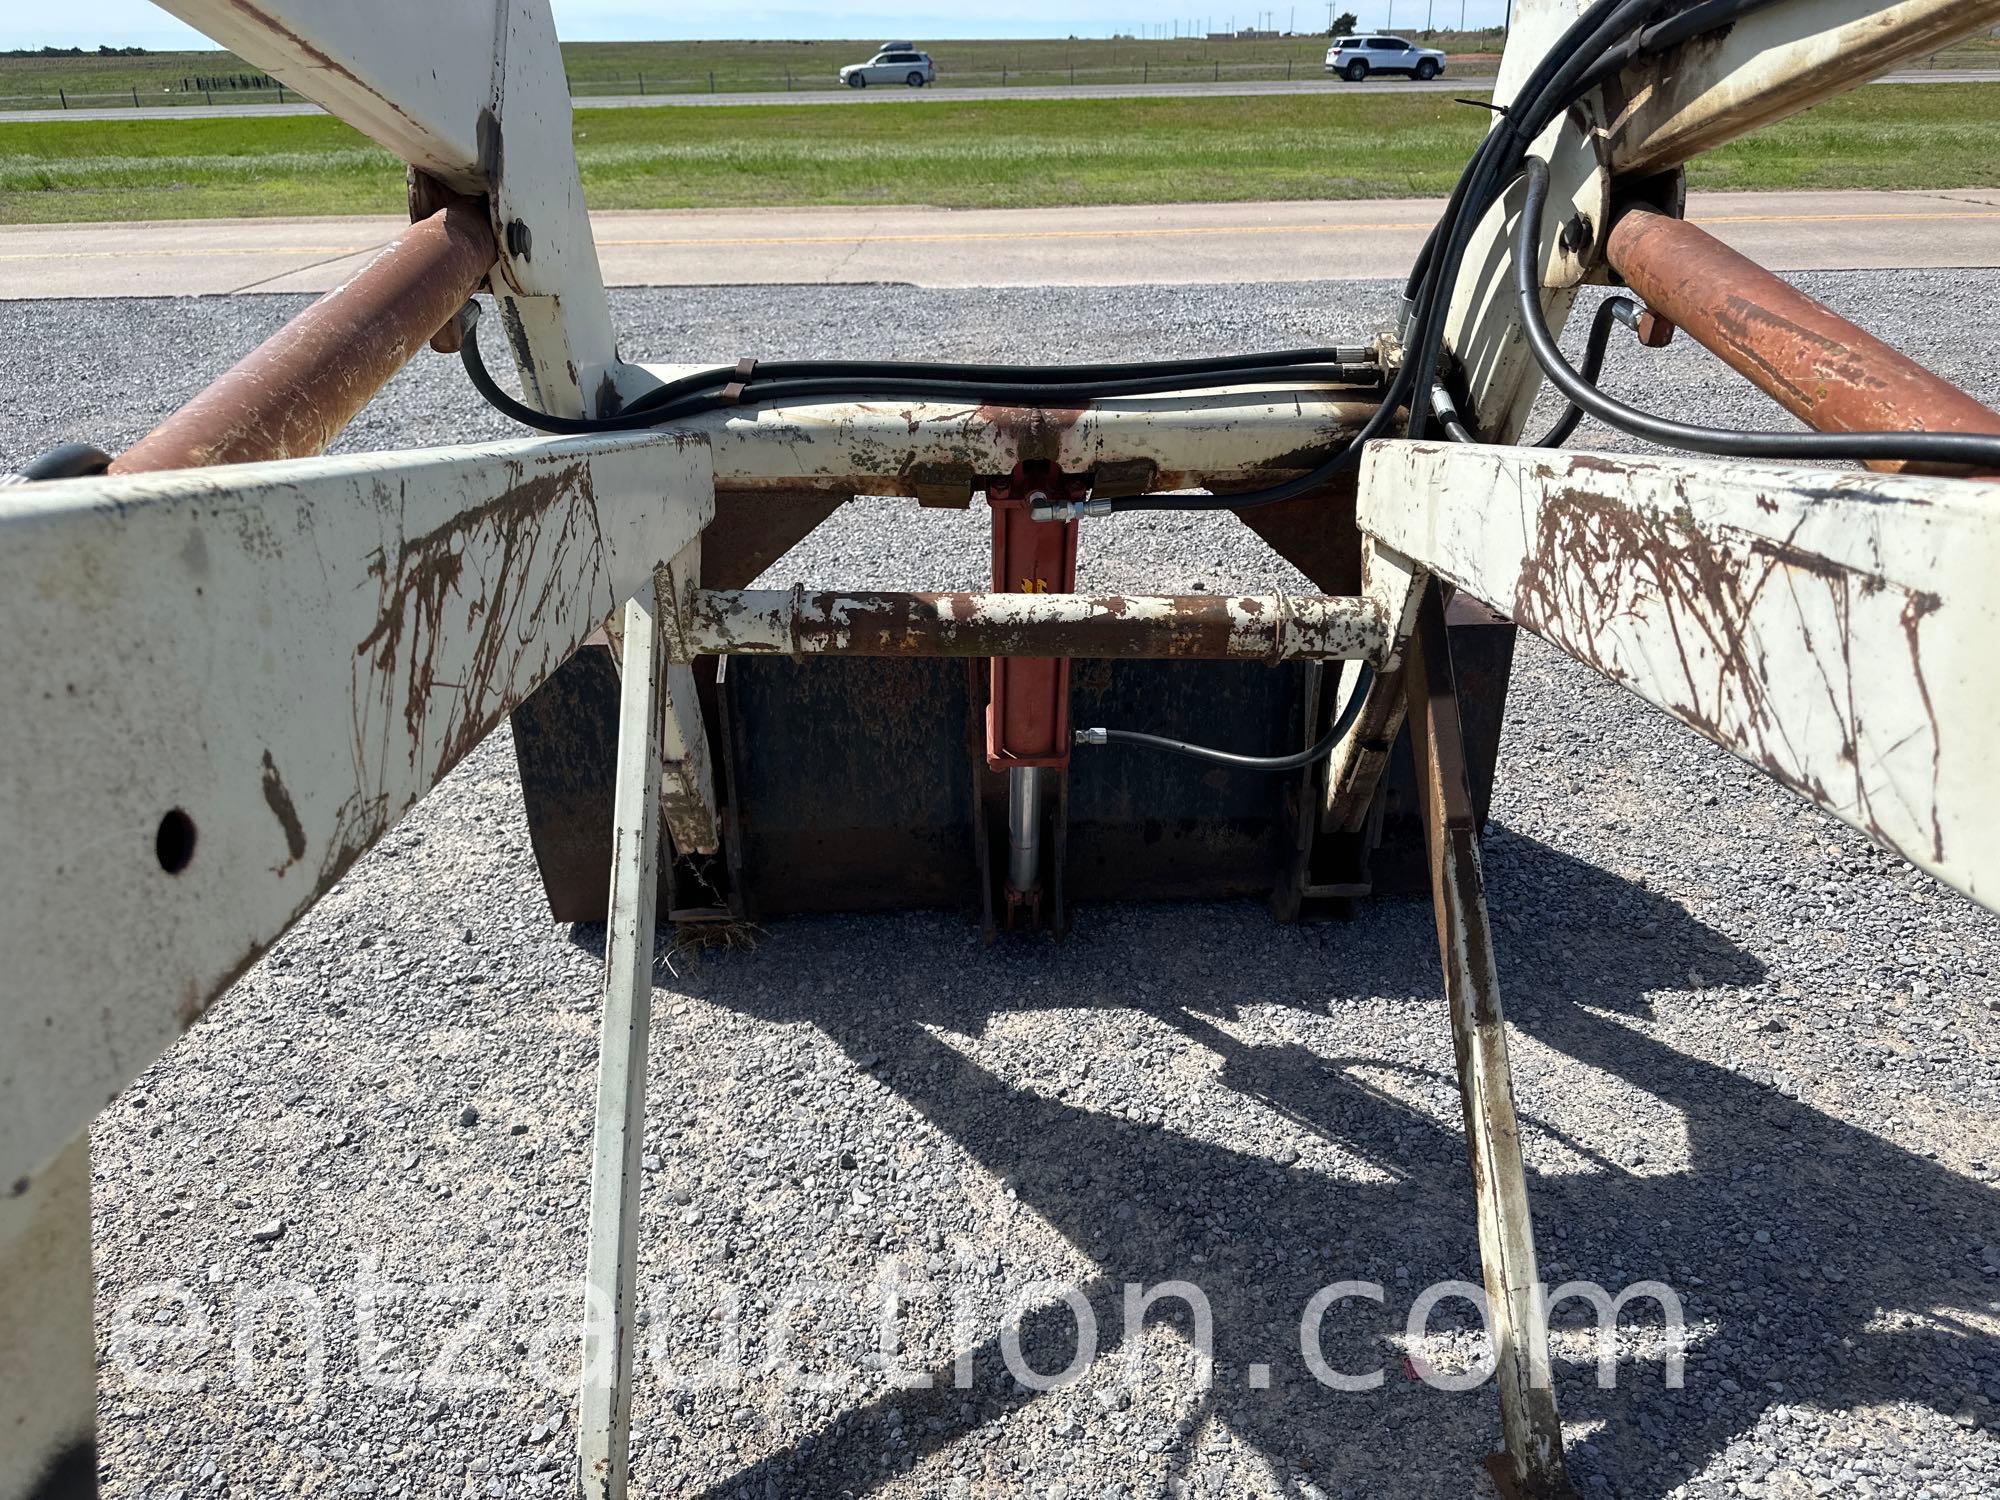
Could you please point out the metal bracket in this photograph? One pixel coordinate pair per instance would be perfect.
(605, 1404)
(1531, 1427)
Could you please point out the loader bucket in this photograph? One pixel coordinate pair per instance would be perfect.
(859, 784)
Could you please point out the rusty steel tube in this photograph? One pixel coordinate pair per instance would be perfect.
(292, 394)
(1818, 366)
(1270, 627)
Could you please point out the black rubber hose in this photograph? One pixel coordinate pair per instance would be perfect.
(1350, 376)
(65, 461)
(1923, 447)
(1318, 750)
(859, 370)
(1365, 378)
(1548, 91)
(1484, 178)
(1608, 313)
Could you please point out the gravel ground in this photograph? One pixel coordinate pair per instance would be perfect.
(1755, 1060)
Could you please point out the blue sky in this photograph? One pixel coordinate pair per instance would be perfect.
(128, 23)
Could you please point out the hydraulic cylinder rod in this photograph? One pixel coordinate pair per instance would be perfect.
(1820, 367)
(291, 395)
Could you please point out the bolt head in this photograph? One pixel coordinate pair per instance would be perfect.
(520, 243)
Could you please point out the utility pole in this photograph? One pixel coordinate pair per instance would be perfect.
(1430, 10)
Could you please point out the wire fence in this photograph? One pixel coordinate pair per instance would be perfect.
(730, 81)
(1142, 73)
(135, 97)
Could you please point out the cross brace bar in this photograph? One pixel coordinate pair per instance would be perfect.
(1268, 627)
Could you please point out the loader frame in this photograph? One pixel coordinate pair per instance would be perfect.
(312, 643)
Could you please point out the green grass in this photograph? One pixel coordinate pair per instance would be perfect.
(741, 66)
(667, 67)
(1009, 153)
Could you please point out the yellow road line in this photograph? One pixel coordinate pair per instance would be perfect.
(983, 236)
(1206, 229)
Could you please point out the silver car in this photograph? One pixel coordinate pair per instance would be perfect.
(891, 65)
(1355, 57)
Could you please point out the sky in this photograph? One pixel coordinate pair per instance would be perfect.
(136, 23)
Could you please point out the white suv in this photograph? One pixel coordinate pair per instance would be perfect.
(897, 65)
(1355, 57)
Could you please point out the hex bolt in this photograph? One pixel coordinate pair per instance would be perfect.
(520, 244)
(1577, 234)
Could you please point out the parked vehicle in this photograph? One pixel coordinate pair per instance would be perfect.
(895, 64)
(1355, 57)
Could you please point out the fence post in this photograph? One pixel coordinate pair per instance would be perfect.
(788, 80)
(62, 96)
(281, 93)
(207, 97)
(135, 96)
(1146, 71)
(642, 85)
(1288, 70)
(711, 80)
(1003, 75)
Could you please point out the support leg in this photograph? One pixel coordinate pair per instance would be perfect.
(604, 1423)
(1533, 1461)
(48, 1353)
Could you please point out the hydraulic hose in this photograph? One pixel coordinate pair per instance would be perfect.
(1611, 310)
(694, 395)
(1923, 447)
(1318, 750)
(1607, 37)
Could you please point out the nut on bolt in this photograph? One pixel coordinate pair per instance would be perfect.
(1577, 234)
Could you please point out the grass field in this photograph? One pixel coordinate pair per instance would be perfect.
(1009, 153)
(162, 78)
(729, 67)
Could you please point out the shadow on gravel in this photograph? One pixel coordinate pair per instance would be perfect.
(1858, 1230)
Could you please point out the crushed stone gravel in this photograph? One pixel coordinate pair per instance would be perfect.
(1755, 1060)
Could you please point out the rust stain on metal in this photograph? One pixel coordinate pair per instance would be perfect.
(1036, 433)
(1162, 627)
(545, 523)
(292, 394)
(280, 802)
(1819, 366)
(1593, 554)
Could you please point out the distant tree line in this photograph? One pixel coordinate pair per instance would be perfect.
(76, 52)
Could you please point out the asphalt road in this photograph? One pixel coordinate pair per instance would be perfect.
(880, 95)
(1172, 244)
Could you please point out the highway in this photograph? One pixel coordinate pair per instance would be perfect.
(1099, 246)
(893, 95)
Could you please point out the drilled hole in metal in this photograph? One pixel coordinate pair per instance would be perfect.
(174, 843)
